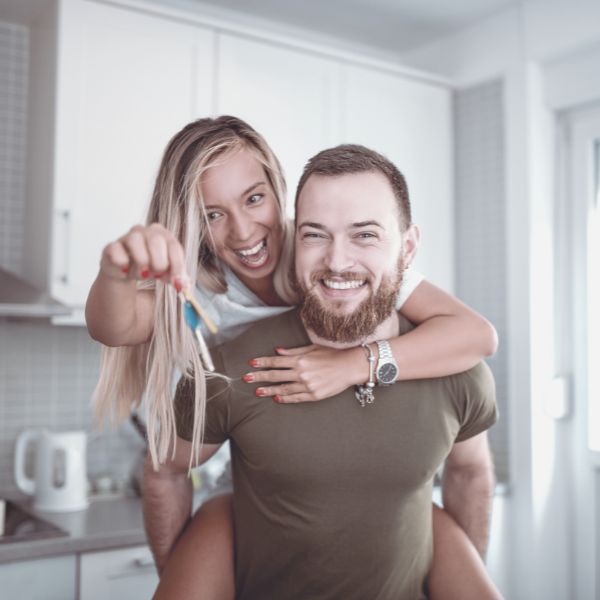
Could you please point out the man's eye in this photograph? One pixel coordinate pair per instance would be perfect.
(306, 236)
(255, 198)
(366, 235)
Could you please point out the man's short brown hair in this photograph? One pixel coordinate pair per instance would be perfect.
(347, 159)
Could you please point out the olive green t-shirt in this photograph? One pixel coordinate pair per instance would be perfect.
(332, 500)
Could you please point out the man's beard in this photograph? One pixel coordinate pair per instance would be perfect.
(354, 326)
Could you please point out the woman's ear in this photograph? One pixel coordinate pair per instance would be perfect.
(410, 243)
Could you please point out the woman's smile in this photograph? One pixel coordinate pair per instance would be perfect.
(255, 256)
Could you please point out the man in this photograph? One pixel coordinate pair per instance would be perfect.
(333, 499)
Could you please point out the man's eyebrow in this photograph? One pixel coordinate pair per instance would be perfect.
(311, 224)
(367, 224)
(353, 226)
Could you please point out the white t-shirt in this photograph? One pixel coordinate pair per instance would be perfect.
(234, 311)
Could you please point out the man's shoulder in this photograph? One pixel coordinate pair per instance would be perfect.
(473, 393)
(478, 378)
(260, 339)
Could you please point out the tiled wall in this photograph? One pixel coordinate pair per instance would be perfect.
(480, 225)
(14, 41)
(47, 373)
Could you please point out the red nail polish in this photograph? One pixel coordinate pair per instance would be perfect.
(125, 270)
(253, 362)
(260, 392)
(158, 275)
(145, 273)
(248, 377)
(178, 285)
(277, 398)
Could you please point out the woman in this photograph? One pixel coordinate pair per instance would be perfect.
(217, 213)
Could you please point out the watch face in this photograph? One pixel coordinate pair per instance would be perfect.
(387, 373)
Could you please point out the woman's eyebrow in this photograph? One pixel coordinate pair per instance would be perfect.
(253, 187)
(244, 193)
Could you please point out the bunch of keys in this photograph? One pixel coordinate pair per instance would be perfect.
(193, 312)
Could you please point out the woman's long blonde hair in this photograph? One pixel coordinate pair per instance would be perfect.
(130, 373)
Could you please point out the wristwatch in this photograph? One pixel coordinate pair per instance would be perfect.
(387, 369)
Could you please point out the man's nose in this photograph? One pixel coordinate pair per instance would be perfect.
(339, 257)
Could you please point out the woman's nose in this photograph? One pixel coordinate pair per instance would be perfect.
(241, 227)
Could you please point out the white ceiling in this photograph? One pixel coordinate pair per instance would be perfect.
(390, 25)
(394, 26)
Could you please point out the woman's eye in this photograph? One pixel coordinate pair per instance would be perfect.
(255, 198)
(213, 216)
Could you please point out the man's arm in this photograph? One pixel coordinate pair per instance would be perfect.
(167, 499)
(468, 488)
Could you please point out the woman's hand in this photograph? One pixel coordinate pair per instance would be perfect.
(310, 373)
(145, 252)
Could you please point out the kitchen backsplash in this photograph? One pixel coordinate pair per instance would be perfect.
(480, 230)
(47, 376)
(14, 44)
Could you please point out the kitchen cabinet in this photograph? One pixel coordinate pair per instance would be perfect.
(110, 84)
(124, 83)
(117, 574)
(410, 122)
(290, 96)
(44, 579)
(302, 103)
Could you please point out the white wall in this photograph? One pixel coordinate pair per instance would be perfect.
(548, 54)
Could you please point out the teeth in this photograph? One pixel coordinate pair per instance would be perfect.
(252, 250)
(343, 285)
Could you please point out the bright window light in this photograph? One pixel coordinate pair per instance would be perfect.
(593, 307)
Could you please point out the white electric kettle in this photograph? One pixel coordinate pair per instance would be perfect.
(60, 480)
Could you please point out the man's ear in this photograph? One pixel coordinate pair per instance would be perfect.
(410, 243)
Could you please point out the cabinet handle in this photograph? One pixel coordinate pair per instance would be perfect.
(133, 567)
(65, 216)
(143, 562)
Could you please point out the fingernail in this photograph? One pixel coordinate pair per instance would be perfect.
(158, 275)
(260, 392)
(125, 270)
(277, 398)
(278, 348)
(145, 273)
(253, 362)
(177, 284)
(248, 377)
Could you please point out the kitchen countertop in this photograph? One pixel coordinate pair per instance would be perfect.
(108, 523)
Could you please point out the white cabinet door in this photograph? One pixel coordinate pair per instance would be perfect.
(410, 122)
(290, 97)
(126, 83)
(124, 574)
(43, 579)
